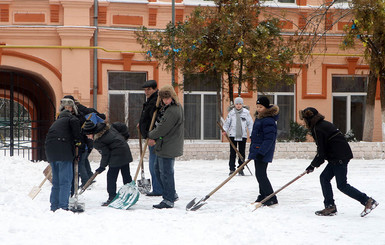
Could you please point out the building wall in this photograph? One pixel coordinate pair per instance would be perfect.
(54, 39)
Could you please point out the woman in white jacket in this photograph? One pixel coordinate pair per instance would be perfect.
(237, 122)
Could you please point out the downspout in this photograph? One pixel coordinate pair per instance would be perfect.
(95, 82)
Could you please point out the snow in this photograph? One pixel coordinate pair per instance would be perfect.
(227, 218)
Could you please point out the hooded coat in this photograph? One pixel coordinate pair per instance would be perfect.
(331, 143)
(169, 131)
(112, 147)
(61, 138)
(264, 134)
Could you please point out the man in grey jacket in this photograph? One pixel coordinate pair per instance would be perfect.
(168, 139)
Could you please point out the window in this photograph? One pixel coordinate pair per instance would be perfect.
(200, 107)
(282, 95)
(126, 98)
(349, 100)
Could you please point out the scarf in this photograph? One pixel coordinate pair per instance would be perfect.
(238, 125)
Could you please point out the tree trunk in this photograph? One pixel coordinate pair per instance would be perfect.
(382, 94)
(231, 89)
(240, 78)
(369, 109)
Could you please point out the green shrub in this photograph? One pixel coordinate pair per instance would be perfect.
(297, 132)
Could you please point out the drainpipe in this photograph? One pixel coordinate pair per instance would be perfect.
(172, 42)
(95, 83)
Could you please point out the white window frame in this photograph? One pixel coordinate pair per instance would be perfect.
(202, 93)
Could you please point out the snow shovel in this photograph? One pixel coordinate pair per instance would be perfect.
(89, 182)
(129, 194)
(74, 205)
(36, 189)
(48, 172)
(192, 205)
(144, 184)
(259, 204)
(233, 146)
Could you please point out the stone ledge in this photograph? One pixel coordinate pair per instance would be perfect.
(283, 150)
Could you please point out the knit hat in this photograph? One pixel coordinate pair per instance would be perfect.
(68, 102)
(264, 101)
(150, 83)
(92, 128)
(238, 100)
(308, 113)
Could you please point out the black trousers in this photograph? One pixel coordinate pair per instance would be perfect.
(240, 145)
(265, 188)
(112, 177)
(340, 171)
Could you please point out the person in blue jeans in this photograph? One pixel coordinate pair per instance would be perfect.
(149, 107)
(60, 143)
(167, 137)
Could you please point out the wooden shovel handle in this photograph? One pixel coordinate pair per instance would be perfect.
(146, 143)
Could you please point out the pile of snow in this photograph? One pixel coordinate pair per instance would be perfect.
(225, 219)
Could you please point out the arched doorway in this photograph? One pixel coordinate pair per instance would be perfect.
(27, 110)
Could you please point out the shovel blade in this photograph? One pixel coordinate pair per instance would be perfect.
(127, 196)
(193, 206)
(33, 193)
(144, 186)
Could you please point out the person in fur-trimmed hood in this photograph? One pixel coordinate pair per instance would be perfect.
(115, 153)
(333, 147)
(237, 125)
(263, 138)
(168, 137)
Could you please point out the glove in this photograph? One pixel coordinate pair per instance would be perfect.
(309, 169)
(100, 170)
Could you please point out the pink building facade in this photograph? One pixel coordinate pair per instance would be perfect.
(52, 48)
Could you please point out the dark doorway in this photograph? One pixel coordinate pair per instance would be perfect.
(27, 110)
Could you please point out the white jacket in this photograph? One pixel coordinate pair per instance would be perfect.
(230, 124)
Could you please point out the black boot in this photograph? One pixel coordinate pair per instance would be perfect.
(329, 210)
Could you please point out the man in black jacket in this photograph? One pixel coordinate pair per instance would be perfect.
(60, 142)
(149, 107)
(333, 147)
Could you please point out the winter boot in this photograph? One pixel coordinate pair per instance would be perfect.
(330, 210)
(369, 206)
(231, 172)
(272, 201)
(106, 203)
(241, 173)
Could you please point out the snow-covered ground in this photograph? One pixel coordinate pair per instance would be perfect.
(225, 219)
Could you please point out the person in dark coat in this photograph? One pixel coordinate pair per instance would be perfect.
(168, 139)
(60, 143)
(263, 138)
(333, 147)
(149, 107)
(115, 153)
(85, 171)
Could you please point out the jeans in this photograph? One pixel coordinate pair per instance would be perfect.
(233, 154)
(62, 175)
(340, 171)
(265, 188)
(156, 186)
(83, 173)
(164, 168)
(112, 177)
